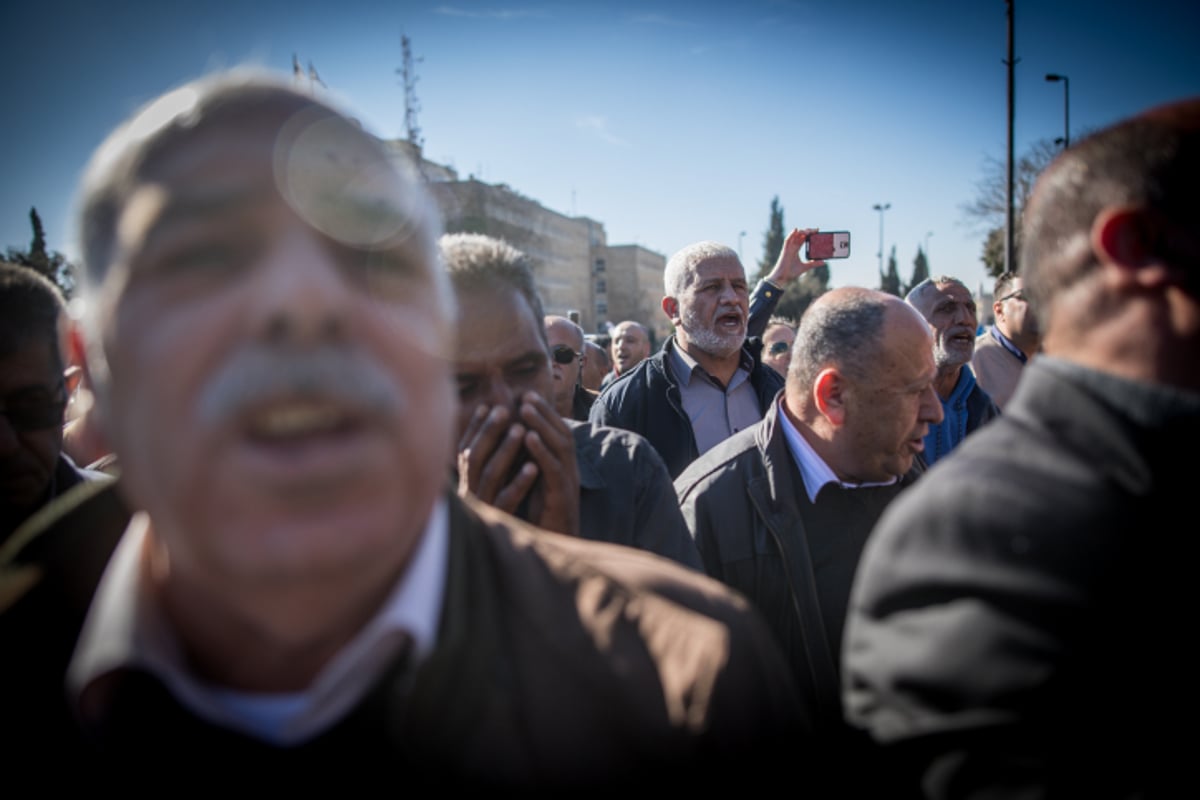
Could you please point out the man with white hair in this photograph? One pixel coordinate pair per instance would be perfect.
(705, 383)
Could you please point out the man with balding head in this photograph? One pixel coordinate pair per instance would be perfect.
(1020, 623)
(948, 306)
(282, 581)
(568, 355)
(630, 344)
(781, 511)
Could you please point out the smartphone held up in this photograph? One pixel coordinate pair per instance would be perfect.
(824, 245)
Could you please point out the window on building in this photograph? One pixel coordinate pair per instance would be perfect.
(601, 286)
(601, 308)
(599, 265)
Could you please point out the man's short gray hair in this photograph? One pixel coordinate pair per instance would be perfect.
(476, 261)
(681, 267)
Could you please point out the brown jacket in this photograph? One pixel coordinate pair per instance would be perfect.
(560, 664)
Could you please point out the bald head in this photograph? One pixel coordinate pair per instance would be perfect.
(860, 384)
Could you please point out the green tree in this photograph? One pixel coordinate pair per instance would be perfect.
(890, 281)
(53, 264)
(772, 242)
(920, 268)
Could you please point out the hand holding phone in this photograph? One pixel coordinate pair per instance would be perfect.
(824, 245)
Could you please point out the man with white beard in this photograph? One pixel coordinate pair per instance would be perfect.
(705, 384)
(948, 307)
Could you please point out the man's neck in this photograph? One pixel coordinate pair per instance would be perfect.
(267, 639)
(722, 368)
(946, 381)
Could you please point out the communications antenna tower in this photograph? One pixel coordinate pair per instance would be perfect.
(411, 105)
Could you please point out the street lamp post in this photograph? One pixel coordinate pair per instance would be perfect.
(1066, 82)
(741, 235)
(881, 207)
(927, 235)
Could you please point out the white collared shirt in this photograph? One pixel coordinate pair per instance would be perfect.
(813, 469)
(127, 627)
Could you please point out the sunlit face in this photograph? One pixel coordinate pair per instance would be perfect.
(888, 415)
(1013, 314)
(277, 391)
(713, 309)
(629, 346)
(562, 336)
(500, 353)
(950, 309)
(777, 347)
(32, 399)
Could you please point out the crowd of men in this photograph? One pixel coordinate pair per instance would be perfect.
(340, 494)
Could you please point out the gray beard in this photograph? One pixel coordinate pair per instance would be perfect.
(708, 340)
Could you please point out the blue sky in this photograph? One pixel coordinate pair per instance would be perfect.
(668, 122)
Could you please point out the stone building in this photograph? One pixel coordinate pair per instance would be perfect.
(576, 268)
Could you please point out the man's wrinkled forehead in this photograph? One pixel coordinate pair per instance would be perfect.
(327, 169)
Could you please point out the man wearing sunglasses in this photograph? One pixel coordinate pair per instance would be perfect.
(33, 397)
(1002, 351)
(568, 357)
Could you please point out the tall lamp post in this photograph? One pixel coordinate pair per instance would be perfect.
(927, 235)
(741, 235)
(881, 207)
(1066, 82)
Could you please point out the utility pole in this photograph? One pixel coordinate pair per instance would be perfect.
(881, 207)
(1009, 222)
(411, 106)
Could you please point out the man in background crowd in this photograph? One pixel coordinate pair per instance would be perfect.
(947, 304)
(1003, 350)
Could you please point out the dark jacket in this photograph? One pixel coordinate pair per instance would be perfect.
(626, 496)
(1019, 624)
(646, 400)
(560, 664)
(745, 503)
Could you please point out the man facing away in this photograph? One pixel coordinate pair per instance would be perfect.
(706, 383)
(947, 304)
(1019, 623)
(1003, 350)
(281, 582)
(597, 365)
(781, 510)
(515, 450)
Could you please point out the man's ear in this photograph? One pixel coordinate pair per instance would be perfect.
(829, 394)
(1124, 238)
(670, 307)
(76, 368)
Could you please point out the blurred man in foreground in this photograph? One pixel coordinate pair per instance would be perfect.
(1018, 626)
(283, 583)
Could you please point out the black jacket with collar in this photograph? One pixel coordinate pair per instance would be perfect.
(647, 400)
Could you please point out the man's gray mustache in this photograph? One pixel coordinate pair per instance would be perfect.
(330, 374)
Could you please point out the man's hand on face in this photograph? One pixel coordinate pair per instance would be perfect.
(500, 461)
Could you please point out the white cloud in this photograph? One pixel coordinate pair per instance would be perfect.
(499, 13)
(599, 125)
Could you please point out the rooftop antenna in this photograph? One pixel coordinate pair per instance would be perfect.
(411, 105)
